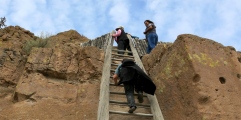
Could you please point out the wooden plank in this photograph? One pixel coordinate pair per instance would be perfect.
(103, 108)
(156, 111)
(122, 55)
(125, 103)
(121, 93)
(121, 51)
(112, 70)
(116, 59)
(112, 84)
(136, 114)
(114, 64)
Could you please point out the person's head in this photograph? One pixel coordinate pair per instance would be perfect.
(120, 27)
(146, 22)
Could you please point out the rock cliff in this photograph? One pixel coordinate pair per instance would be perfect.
(58, 81)
(196, 78)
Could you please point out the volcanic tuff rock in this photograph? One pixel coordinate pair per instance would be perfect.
(53, 82)
(196, 78)
(12, 61)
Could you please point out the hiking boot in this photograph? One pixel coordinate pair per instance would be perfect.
(132, 109)
(140, 97)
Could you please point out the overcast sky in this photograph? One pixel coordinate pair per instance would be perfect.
(219, 20)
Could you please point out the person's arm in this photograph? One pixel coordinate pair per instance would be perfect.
(118, 33)
(150, 27)
(116, 75)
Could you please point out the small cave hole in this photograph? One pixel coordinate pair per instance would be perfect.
(238, 75)
(196, 78)
(216, 89)
(239, 59)
(222, 80)
(203, 100)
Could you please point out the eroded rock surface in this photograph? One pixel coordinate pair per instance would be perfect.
(197, 79)
(58, 81)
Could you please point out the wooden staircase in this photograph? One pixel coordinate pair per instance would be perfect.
(112, 101)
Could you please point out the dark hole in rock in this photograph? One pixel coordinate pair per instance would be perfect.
(222, 80)
(196, 78)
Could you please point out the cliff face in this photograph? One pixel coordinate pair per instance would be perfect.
(11, 58)
(197, 79)
(58, 81)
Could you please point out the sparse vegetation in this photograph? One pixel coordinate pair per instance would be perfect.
(2, 22)
(45, 35)
(39, 42)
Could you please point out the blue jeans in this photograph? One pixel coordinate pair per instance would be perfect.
(152, 39)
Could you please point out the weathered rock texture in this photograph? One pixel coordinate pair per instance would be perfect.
(12, 61)
(59, 81)
(197, 79)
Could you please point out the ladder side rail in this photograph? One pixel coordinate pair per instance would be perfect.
(138, 47)
(103, 108)
(155, 109)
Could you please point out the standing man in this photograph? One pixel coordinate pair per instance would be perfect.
(151, 35)
(133, 78)
(121, 40)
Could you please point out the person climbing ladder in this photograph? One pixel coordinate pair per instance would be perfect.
(133, 78)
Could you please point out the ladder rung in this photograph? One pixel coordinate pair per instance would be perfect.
(112, 84)
(123, 55)
(138, 104)
(121, 51)
(114, 64)
(145, 107)
(121, 93)
(126, 113)
(116, 59)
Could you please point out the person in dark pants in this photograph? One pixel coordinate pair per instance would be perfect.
(122, 40)
(134, 79)
(151, 35)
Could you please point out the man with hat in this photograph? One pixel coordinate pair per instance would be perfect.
(121, 40)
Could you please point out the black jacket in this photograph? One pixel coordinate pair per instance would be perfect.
(122, 36)
(129, 71)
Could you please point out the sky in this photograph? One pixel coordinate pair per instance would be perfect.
(218, 20)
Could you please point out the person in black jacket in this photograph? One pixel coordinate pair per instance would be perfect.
(133, 78)
(121, 40)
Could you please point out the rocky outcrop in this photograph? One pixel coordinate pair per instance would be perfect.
(12, 61)
(66, 38)
(68, 63)
(197, 78)
(58, 81)
(60, 70)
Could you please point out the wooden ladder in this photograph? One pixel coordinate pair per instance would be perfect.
(112, 100)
